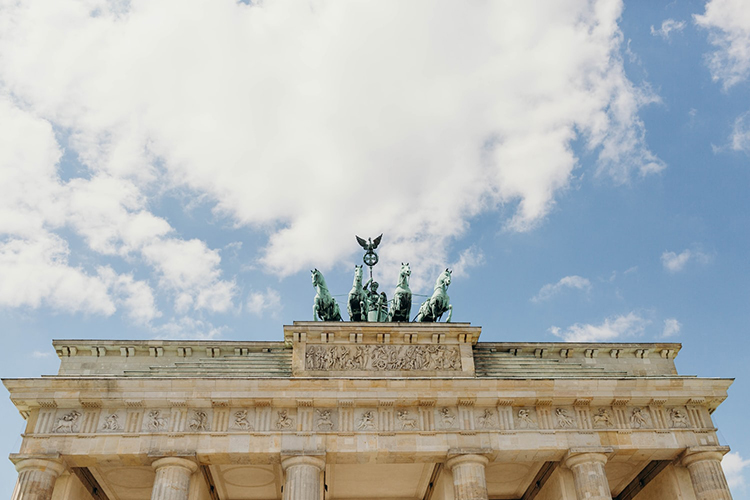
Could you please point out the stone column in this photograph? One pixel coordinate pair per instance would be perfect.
(706, 474)
(302, 480)
(469, 482)
(36, 478)
(589, 477)
(172, 478)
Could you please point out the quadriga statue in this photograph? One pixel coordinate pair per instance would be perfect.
(401, 306)
(433, 308)
(325, 306)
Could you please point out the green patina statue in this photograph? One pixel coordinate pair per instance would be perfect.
(325, 306)
(356, 304)
(377, 311)
(401, 306)
(433, 309)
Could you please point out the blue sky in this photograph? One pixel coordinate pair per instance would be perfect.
(175, 169)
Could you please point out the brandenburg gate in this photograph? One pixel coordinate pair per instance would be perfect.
(365, 410)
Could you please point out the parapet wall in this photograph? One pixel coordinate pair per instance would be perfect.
(366, 350)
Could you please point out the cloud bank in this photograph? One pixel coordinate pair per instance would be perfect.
(306, 121)
(551, 289)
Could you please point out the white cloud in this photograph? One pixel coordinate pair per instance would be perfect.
(676, 262)
(317, 121)
(667, 27)
(728, 22)
(613, 329)
(109, 213)
(40, 354)
(468, 258)
(258, 303)
(734, 466)
(135, 296)
(671, 327)
(741, 134)
(551, 289)
(186, 327)
(36, 273)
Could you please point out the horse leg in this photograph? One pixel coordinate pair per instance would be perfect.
(450, 313)
(315, 312)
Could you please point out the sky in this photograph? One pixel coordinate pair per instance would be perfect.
(175, 168)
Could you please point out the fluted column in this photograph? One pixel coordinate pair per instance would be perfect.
(706, 474)
(172, 480)
(469, 482)
(36, 478)
(302, 477)
(589, 477)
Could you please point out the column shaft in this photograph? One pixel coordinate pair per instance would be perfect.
(302, 477)
(707, 475)
(589, 477)
(172, 480)
(36, 479)
(469, 482)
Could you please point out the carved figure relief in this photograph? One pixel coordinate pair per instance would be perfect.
(405, 422)
(678, 418)
(638, 418)
(68, 422)
(602, 418)
(241, 421)
(487, 419)
(112, 423)
(324, 420)
(524, 419)
(156, 422)
(284, 422)
(382, 357)
(563, 420)
(199, 421)
(366, 421)
(449, 419)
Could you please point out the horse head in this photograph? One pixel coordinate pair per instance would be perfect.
(444, 280)
(405, 269)
(316, 277)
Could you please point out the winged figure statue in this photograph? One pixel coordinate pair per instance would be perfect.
(369, 245)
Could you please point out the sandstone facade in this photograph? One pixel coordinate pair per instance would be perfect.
(360, 411)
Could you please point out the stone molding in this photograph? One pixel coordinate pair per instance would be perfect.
(183, 463)
(695, 454)
(367, 416)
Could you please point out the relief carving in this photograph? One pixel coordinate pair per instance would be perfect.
(487, 419)
(563, 420)
(638, 418)
(679, 418)
(241, 421)
(156, 422)
(524, 419)
(284, 422)
(112, 423)
(405, 422)
(449, 419)
(366, 421)
(199, 422)
(324, 420)
(602, 418)
(68, 422)
(382, 358)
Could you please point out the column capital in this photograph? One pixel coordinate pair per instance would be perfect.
(160, 463)
(576, 456)
(466, 458)
(54, 466)
(317, 461)
(695, 454)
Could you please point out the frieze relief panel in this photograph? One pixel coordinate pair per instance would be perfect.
(378, 357)
(386, 418)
